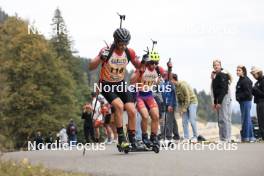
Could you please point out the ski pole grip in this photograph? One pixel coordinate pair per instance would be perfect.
(169, 64)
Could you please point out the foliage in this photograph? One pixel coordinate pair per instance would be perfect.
(24, 168)
(41, 87)
(205, 112)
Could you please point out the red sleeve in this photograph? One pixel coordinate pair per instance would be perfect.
(162, 71)
(134, 59)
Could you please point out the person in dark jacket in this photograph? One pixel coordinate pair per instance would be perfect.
(49, 140)
(170, 103)
(72, 133)
(244, 97)
(222, 100)
(88, 123)
(39, 140)
(258, 92)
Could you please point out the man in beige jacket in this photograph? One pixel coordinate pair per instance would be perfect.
(188, 103)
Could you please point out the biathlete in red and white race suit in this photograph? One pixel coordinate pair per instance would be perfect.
(145, 78)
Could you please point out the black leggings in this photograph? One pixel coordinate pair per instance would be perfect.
(260, 114)
(88, 132)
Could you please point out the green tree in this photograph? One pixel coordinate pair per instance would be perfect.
(37, 92)
(205, 111)
(62, 44)
(60, 37)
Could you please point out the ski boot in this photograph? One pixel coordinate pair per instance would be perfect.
(135, 145)
(123, 145)
(155, 143)
(146, 140)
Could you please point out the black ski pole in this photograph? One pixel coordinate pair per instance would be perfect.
(122, 17)
(106, 44)
(165, 122)
(169, 64)
(154, 42)
(96, 98)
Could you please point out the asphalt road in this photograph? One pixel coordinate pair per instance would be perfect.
(247, 160)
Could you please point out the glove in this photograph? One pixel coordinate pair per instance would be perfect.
(105, 54)
(169, 64)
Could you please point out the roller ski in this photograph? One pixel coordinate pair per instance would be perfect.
(138, 148)
(124, 147)
(135, 146)
(152, 144)
(127, 147)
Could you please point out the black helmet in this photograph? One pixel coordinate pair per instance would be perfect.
(122, 35)
(145, 58)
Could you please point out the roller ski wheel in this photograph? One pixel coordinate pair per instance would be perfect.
(156, 148)
(119, 148)
(155, 143)
(126, 151)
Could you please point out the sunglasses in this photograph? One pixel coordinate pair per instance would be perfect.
(121, 43)
(153, 62)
